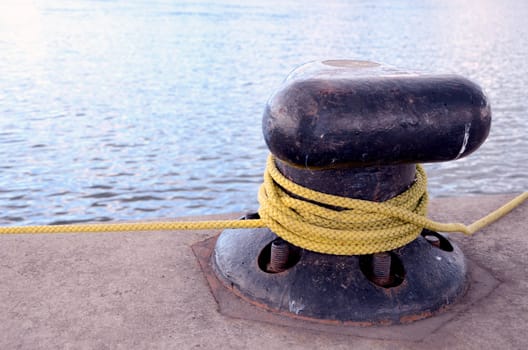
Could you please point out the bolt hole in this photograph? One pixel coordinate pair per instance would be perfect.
(437, 240)
(250, 216)
(278, 256)
(383, 269)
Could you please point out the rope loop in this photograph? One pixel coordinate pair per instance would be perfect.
(355, 227)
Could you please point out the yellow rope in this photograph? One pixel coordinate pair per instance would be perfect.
(357, 227)
(361, 227)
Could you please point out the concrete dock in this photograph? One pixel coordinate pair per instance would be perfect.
(146, 290)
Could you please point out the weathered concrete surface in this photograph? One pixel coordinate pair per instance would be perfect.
(146, 291)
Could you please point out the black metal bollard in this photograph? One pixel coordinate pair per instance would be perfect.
(356, 129)
(363, 126)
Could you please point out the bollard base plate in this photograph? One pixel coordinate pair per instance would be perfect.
(232, 303)
(339, 288)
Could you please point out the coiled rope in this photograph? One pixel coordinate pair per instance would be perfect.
(305, 219)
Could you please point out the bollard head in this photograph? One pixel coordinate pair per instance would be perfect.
(344, 113)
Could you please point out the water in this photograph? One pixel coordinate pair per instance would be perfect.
(126, 110)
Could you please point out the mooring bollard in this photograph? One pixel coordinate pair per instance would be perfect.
(357, 129)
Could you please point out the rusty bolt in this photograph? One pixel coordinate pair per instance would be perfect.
(435, 241)
(279, 256)
(381, 269)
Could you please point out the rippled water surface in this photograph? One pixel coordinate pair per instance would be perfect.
(123, 110)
